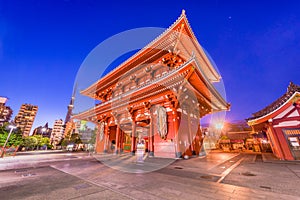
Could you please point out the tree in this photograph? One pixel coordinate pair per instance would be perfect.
(30, 142)
(15, 138)
(66, 140)
(3, 129)
(39, 140)
(45, 141)
(93, 137)
(75, 138)
(3, 137)
(36, 141)
(71, 138)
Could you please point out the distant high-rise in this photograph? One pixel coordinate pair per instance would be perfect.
(25, 118)
(57, 132)
(44, 131)
(5, 111)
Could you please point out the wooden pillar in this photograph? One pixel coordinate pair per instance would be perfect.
(121, 140)
(278, 147)
(106, 138)
(151, 137)
(117, 140)
(97, 138)
(190, 135)
(133, 138)
(178, 152)
(284, 146)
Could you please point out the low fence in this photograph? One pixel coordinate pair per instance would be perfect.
(8, 151)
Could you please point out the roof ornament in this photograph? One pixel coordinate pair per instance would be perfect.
(183, 12)
(293, 87)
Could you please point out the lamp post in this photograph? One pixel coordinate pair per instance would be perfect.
(11, 129)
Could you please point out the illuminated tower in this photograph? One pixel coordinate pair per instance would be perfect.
(70, 108)
(69, 124)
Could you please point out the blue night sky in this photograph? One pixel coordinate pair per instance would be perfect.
(255, 44)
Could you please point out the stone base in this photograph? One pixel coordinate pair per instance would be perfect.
(151, 154)
(202, 153)
(178, 155)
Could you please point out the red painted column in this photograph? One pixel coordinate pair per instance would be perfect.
(106, 138)
(151, 137)
(117, 140)
(121, 140)
(190, 135)
(97, 138)
(276, 141)
(178, 152)
(133, 138)
(284, 144)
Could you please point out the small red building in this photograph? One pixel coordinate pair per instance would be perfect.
(281, 121)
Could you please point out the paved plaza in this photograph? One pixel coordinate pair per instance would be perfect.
(82, 176)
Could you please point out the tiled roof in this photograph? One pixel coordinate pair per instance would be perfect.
(292, 88)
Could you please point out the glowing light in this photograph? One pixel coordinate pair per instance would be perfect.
(219, 125)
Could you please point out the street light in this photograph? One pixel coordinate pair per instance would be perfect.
(11, 129)
(219, 126)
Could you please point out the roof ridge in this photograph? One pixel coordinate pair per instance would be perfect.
(155, 39)
(291, 89)
(142, 49)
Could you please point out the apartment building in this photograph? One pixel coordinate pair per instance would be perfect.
(25, 118)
